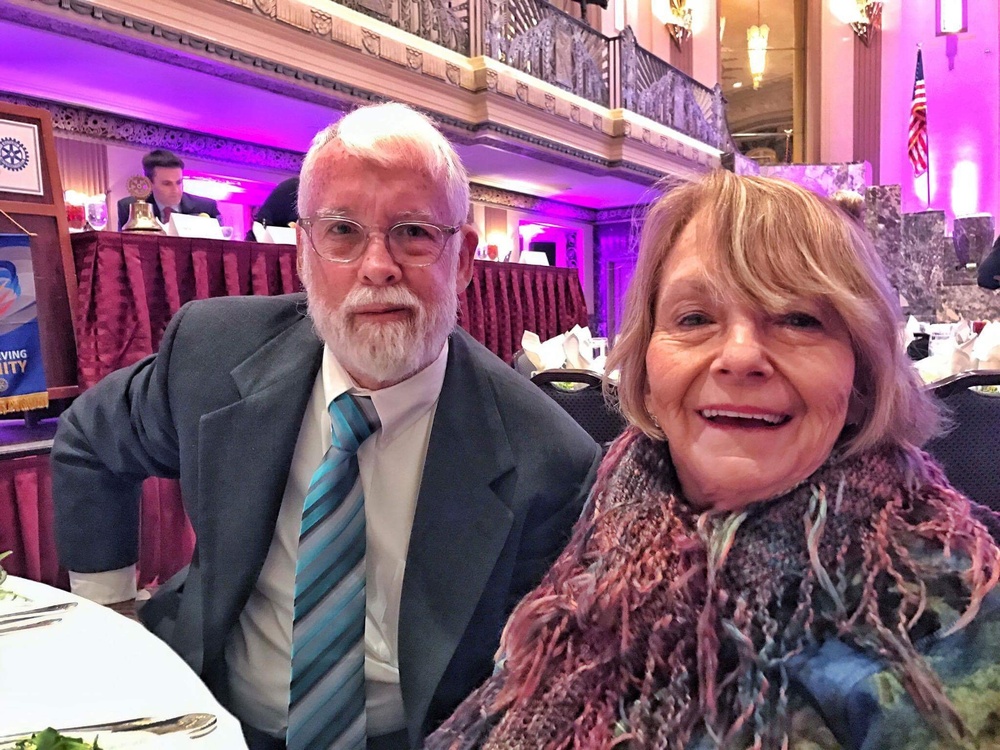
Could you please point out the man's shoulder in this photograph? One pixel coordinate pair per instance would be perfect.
(235, 312)
(230, 329)
(206, 201)
(241, 317)
(128, 200)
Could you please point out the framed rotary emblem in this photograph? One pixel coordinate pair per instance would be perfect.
(20, 162)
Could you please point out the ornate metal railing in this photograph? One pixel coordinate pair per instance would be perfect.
(654, 89)
(443, 22)
(543, 41)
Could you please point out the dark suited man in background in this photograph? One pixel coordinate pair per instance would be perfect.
(469, 478)
(166, 171)
(279, 208)
(989, 268)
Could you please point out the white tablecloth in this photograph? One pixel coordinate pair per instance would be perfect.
(97, 666)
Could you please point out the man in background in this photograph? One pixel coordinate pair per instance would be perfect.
(166, 171)
(459, 478)
(989, 268)
(279, 209)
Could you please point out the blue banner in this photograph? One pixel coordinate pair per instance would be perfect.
(22, 378)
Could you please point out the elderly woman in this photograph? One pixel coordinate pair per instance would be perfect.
(768, 560)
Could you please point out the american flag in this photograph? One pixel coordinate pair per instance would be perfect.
(917, 146)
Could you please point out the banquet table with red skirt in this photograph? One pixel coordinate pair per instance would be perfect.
(131, 284)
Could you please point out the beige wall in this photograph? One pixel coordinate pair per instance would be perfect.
(705, 39)
(836, 54)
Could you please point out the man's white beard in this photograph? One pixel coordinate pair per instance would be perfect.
(384, 353)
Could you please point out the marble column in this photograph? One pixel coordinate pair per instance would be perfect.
(925, 252)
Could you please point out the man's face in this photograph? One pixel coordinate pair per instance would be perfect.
(383, 321)
(168, 185)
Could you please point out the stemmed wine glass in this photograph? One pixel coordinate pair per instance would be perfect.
(97, 214)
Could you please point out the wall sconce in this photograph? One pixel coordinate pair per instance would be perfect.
(952, 16)
(757, 51)
(676, 16)
(867, 20)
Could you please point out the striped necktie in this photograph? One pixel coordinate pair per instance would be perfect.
(326, 706)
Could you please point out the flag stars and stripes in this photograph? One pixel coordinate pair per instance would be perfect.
(917, 141)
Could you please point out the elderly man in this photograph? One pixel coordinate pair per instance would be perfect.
(165, 171)
(338, 595)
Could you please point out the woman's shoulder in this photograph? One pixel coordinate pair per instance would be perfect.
(864, 706)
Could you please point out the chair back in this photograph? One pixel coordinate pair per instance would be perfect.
(970, 452)
(586, 404)
(522, 364)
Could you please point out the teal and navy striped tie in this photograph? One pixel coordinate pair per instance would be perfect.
(326, 707)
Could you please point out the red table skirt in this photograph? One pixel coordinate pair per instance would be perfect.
(26, 526)
(27, 530)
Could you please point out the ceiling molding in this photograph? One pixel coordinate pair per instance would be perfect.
(105, 126)
(510, 199)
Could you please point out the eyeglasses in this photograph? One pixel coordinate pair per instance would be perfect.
(410, 243)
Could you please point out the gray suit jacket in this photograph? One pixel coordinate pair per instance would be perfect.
(220, 407)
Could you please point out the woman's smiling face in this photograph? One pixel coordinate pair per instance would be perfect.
(751, 401)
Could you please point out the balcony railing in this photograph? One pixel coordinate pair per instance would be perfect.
(440, 21)
(543, 41)
(657, 90)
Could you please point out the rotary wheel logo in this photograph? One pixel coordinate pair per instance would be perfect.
(4, 385)
(13, 154)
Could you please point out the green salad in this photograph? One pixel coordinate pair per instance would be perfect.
(3, 577)
(50, 739)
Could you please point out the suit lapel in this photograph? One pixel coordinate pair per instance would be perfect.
(246, 451)
(459, 529)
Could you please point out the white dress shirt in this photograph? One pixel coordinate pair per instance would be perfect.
(162, 208)
(391, 462)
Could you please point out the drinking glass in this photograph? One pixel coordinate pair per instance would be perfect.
(599, 347)
(76, 216)
(97, 215)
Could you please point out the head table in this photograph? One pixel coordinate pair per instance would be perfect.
(97, 666)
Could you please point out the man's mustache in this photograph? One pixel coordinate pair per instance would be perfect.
(360, 299)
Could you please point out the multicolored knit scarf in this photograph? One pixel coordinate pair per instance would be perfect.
(659, 625)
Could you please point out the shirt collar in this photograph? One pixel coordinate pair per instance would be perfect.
(162, 207)
(398, 406)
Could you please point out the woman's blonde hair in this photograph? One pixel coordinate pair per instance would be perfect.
(772, 242)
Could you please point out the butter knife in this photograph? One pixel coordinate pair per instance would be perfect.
(21, 614)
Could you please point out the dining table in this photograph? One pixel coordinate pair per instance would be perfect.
(96, 666)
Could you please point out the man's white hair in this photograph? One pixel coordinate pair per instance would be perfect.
(392, 135)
